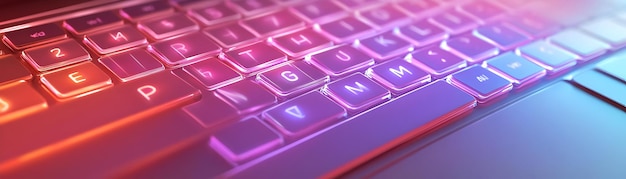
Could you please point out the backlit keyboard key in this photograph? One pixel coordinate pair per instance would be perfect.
(471, 48)
(384, 16)
(357, 92)
(168, 26)
(341, 60)
(31, 36)
(418, 8)
(250, 7)
(301, 42)
(422, 33)
(482, 11)
(607, 30)
(318, 11)
(185, 49)
(12, 69)
(56, 55)
(245, 140)
(581, 44)
(210, 110)
(481, 83)
(437, 61)
(532, 25)
(214, 14)
(230, 35)
(399, 75)
(357, 4)
(345, 29)
(548, 56)
(385, 45)
(517, 69)
(19, 99)
(146, 10)
(453, 22)
(501, 35)
(115, 39)
(246, 96)
(254, 57)
(212, 73)
(132, 65)
(273, 23)
(92, 22)
(75, 80)
(290, 79)
(304, 114)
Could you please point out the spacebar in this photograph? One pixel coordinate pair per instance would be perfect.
(75, 120)
(365, 136)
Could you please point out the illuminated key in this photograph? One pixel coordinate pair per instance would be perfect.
(501, 35)
(214, 14)
(532, 25)
(385, 45)
(437, 61)
(422, 33)
(132, 65)
(273, 23)
(548, 56)
(31, 36)
(210, 110)
(246, 96)
(418, 8)
(608, 30)
(471, 48)
(580, 43)
(75, 80)
(89, 23)
(304, 114)
(345, 29)
(481, 83)
(245, 140)
(212, 73)
(517, 69)
(399, 75)
(250, 7)
(341, 60)
(318, 11)
(482, 10)
(301, 42)
(384, 16)
(453, 22)
(357, 4)
(115, 39)
(254, 57)
(146, 10)
(168, 26)
(292, 78)
(56, 55)
(230, 35)
(356, 92)
(19, 99)
(185, 49)
(11, 69)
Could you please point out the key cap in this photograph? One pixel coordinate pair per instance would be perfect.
(245, 140)
(92, 22)
(470, 48)
(418, 8)
(132, 100)
(501, 35)
(212, 73)
(184, 50)
(453, 22)
(437, 61)
(55, 55)
(301, 42)
(356, 4)
(291, 80)
(168, 26)
(607, 30)
(481, 83)
(607, 87)
(250, 7)
(210, 111)
(19, 99)
(230, 35)
(420, 111)
(548, 56)
(614, 67)
(115, 39)
(422, 33)
(187, 4)
(345, 29)
(146, 10)
(132, 65)
(32, 36)
(356, 92)
(214, 14)
(383, 17)
(517, 69)
(531, 25)
(399, 75)
(304, 114)
(483, 11)
(385, 45)
(274, 23)
(318, 11)
(254, 57)
(75, 80)
(246, 96)
(11, 70)
(341, 60)
(579, 43)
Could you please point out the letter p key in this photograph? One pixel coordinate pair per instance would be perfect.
(147, 91)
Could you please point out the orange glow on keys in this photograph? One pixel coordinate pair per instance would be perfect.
(75, 80)
(19, 99)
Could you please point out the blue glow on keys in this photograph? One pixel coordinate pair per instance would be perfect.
(517, 69)
(548, 56)
(579, 43)
(481, 83)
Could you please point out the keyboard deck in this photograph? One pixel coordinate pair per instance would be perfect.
(245, 84)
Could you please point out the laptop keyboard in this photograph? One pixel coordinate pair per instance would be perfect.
(274, 78)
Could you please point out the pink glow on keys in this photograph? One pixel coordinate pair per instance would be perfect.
(31, 36)
(11, 70)
(301, 42)
(185, 49)
(437, 61)
(214, 14)
(531, 25)
(385, 45)
(146, 10)
(19, 99)
(230, 35)
(341, 60)
(418, 8)
(245, 140)
(115, 39)
(132, 65)
(357, 4)
(357, 92)
(470, 48)
(274, 23)
(168, 26)
(75, 80)
(90, 23)
(453, 22)
(399, 75)
(422, 33)
(501, 35)
(483, 11)
(254, 57)
(318, 11)
(345, 29)
(55, 55)
(383, 17)
(212, 73)
(292, 78)
(249, 7)
(304, 114)
(246, 96)
(210, 110)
